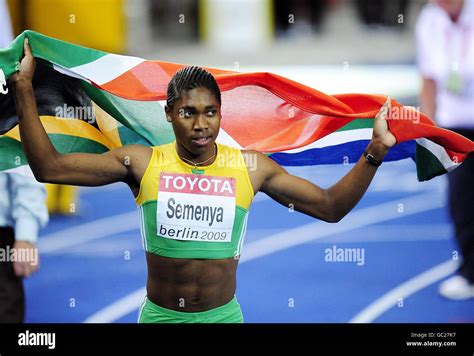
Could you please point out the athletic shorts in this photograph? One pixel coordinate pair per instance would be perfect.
(227, 313)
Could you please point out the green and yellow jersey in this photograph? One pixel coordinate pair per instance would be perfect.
(194, 212)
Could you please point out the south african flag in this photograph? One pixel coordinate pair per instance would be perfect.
(93, 101)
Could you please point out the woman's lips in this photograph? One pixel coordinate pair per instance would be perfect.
(202, 141)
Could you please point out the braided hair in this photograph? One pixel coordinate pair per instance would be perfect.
(188, 78)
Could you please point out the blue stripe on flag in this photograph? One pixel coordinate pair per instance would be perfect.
(347, 152)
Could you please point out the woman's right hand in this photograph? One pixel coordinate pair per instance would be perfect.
(27, 66)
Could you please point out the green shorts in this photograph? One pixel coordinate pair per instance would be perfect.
(227, 313)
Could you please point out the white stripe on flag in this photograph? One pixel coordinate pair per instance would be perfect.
(68, 72)
(225, 139)
(107, 68)
(336, 138)
(439, 152)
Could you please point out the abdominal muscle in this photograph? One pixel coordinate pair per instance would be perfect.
(190, 285)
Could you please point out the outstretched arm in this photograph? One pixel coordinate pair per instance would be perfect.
(331, 204)
(121, 164)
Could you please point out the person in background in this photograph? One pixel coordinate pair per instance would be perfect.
(22, 213)
(382, 12)
(445, 46)
(299, 17)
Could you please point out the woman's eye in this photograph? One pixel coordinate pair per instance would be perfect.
(188, 114)
(211, 113)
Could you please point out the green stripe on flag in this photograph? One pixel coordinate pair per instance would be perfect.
(145, 118)
(427, 164)
(47, 48)
(12, 155)
(129, 137)
(358, 124)
(63, 53)
(71, 144)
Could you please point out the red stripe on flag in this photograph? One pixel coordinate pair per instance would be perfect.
(268, 112)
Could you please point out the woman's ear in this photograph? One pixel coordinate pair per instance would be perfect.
(168, 113)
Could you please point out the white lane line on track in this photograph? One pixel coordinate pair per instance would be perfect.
(291, 238)
(404, 290)
(357, 219)
(87, 232)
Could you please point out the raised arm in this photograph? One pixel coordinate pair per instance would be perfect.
(331, 204)
(121, 164)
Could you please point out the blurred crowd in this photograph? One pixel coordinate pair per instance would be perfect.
(290, 17)
(165, 18)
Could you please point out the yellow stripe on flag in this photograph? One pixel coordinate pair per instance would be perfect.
(107, 125)
(71, 127)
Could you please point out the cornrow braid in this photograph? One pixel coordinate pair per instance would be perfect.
(188, 78)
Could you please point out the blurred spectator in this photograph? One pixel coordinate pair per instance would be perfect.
(174, 20)
(382, 12)
(445, 40)
(302, 16)
(22, 213)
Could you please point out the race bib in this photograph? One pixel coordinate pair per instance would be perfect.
(195, 207)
